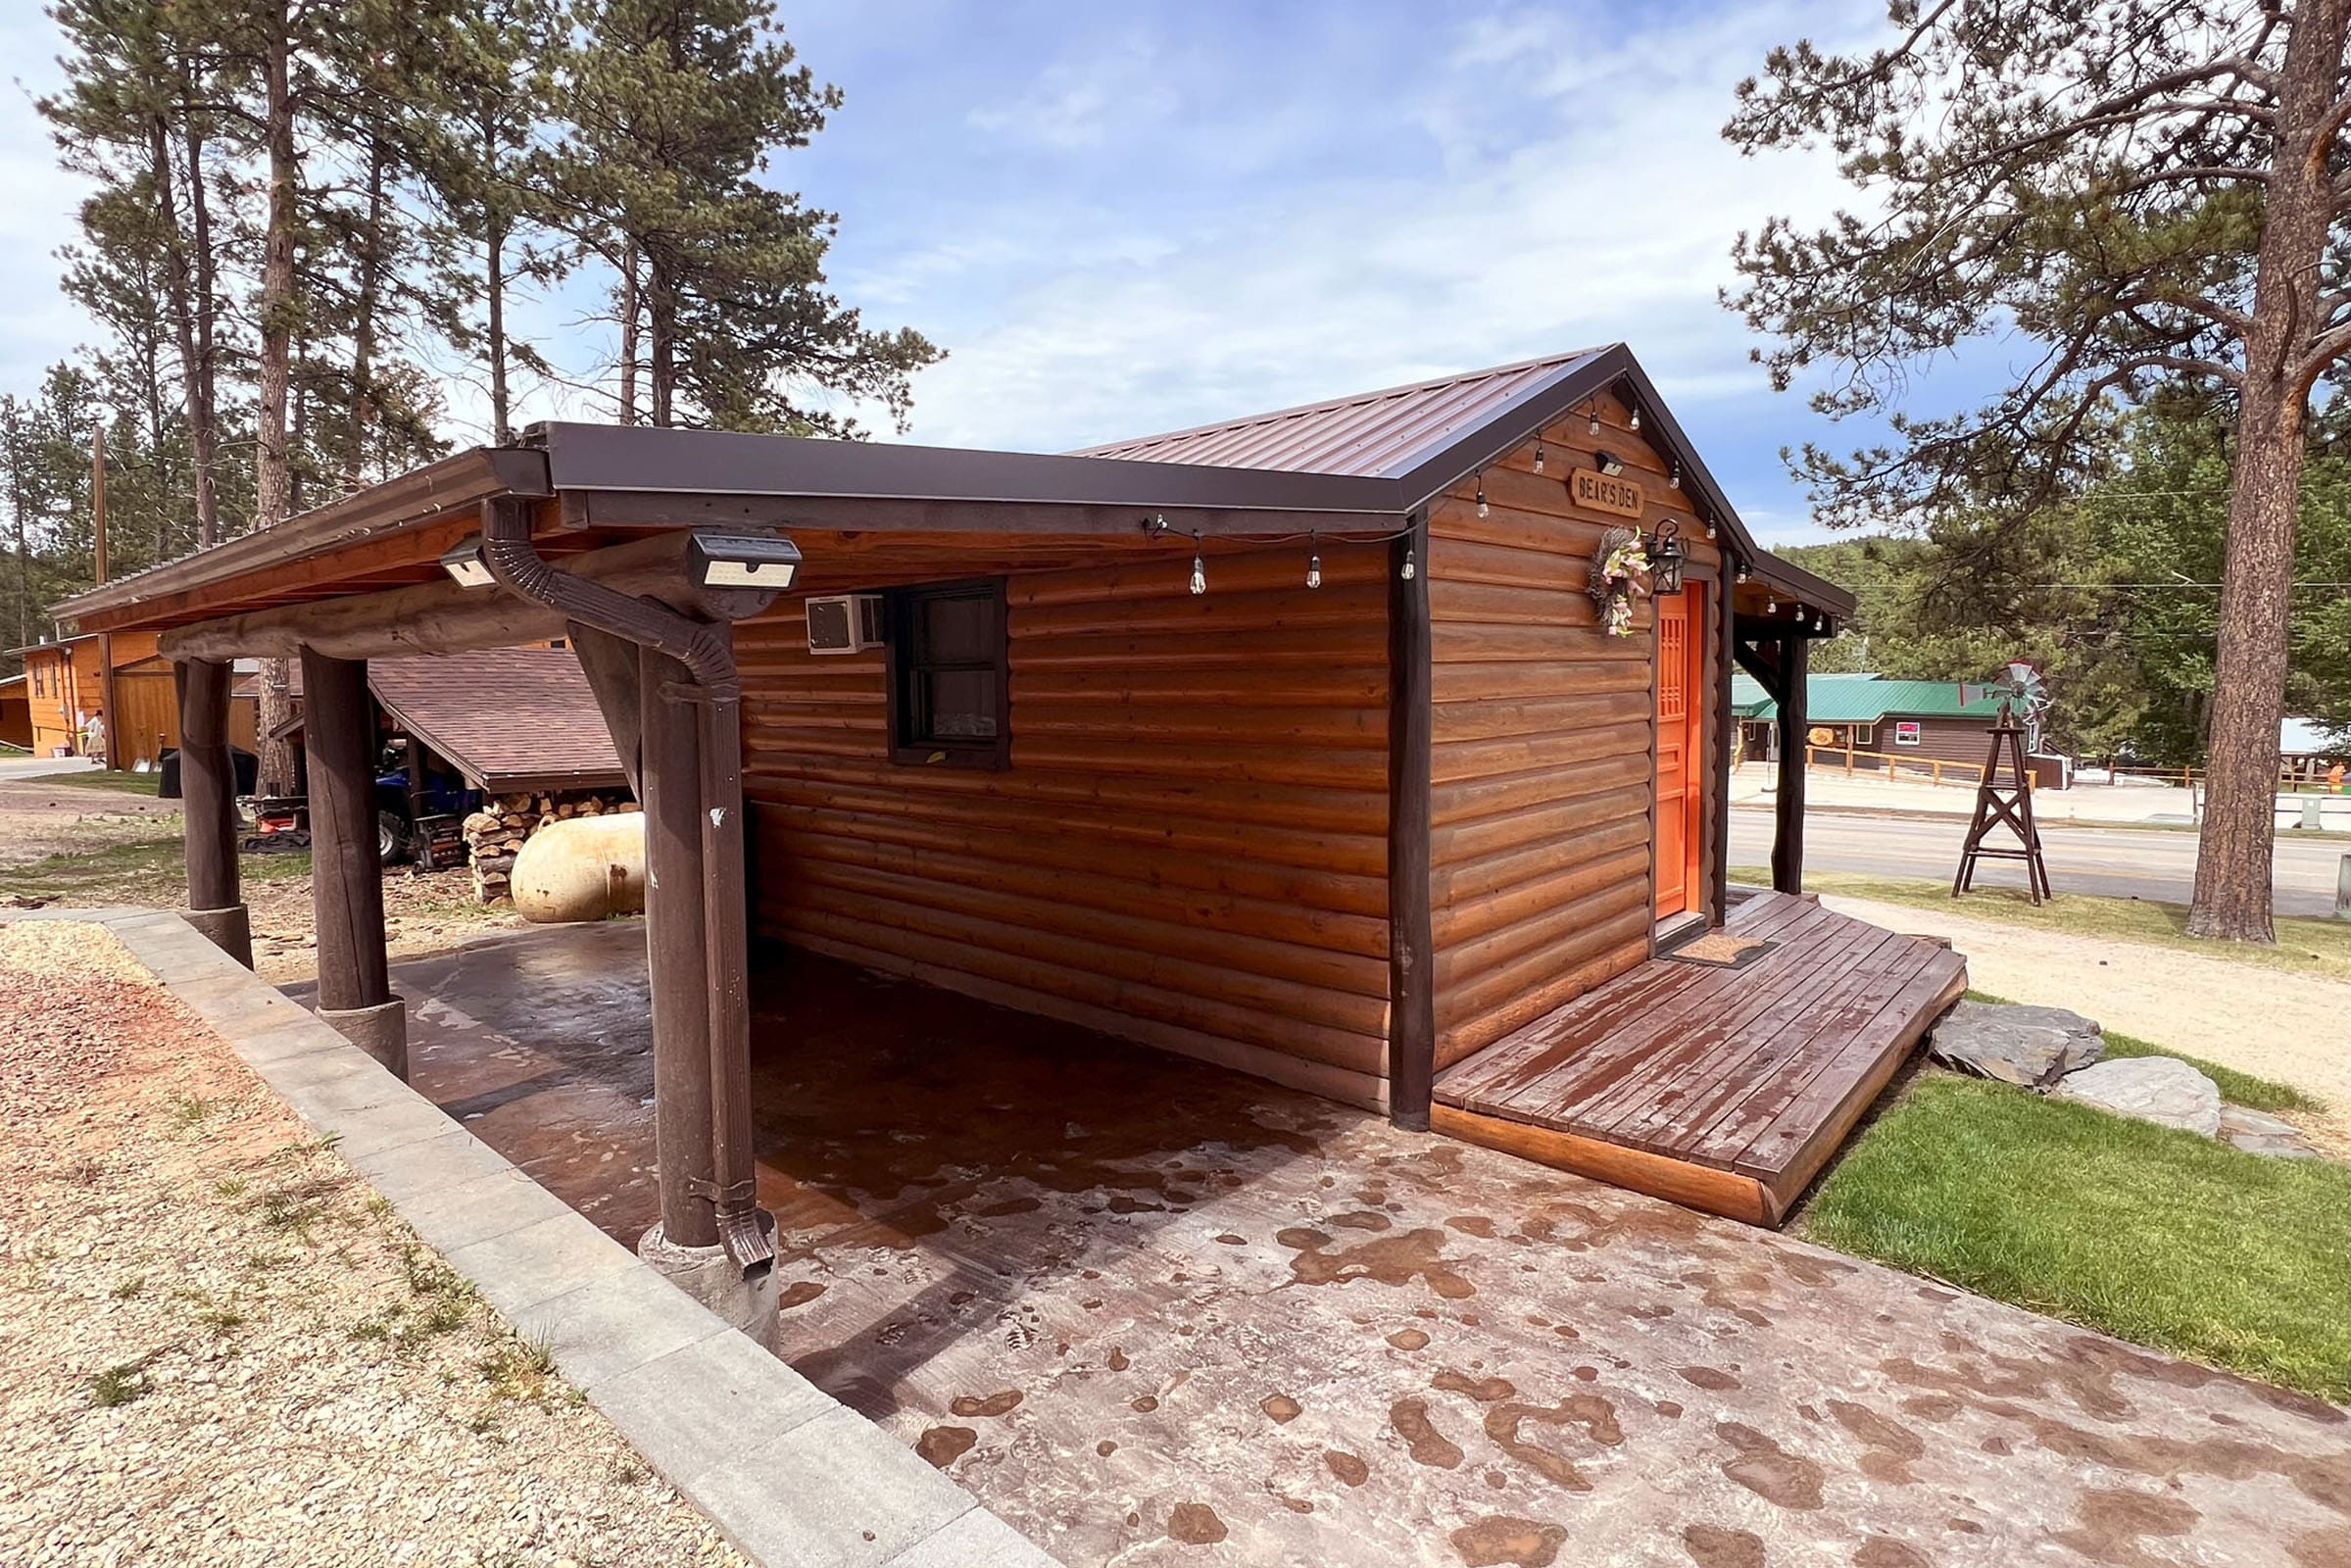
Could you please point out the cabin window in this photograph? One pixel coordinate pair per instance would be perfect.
(1865, 734)
(948, 675)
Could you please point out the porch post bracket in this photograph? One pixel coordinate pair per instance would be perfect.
(707, 650)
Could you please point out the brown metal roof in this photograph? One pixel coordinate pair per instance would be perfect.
(1362, 461)
(1384, 434)
(511, 719)
(507, 718)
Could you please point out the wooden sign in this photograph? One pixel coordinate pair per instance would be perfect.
(1588, 487)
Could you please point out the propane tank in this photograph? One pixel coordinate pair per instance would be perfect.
(582, 869)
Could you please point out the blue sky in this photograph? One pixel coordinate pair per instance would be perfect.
(1121, 219)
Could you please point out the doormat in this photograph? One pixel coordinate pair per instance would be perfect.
(1721, 949)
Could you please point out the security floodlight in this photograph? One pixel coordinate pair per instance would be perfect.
(466, 565)
(1608, 463)
(743, 561)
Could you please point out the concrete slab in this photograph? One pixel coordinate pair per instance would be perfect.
(978, 1539)
(1159, 1314)
(706, 1403)
(615, 1324)
(860, 1499)
(457, 1210)
(523, 1268)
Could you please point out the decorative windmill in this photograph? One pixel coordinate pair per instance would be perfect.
(2023, 697)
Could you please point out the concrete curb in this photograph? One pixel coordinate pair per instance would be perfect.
(789, 1475)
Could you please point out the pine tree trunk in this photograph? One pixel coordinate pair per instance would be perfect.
(362, 327)
(660, 320)
(2233, 893)
(273, 477)
(630, 309)
(494, 229)
(204, 434)
(180, 303)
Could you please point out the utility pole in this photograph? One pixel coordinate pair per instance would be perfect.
(106, 711)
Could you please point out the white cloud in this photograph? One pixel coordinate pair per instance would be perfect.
(1605, 213)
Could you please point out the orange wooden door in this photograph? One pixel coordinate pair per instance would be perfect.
(1680, 756)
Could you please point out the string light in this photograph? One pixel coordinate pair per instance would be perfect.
(1742, 571)
(1675, 479)
(1635, 421)
(1709, 528)
(1538, 453)
(1315, 566)
(1411, 568)
(1592, 413)
(1482, 506)
(1199, 568)
(1771, 606)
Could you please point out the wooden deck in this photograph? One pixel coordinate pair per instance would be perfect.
(1723, 1089)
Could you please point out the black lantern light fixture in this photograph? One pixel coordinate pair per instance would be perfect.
(1665, 554)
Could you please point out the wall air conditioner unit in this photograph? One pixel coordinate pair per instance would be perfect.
(844, 623)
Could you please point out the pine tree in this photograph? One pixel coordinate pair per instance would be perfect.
(2154, 191)
(671, 108)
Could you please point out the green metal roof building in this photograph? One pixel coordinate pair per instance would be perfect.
(1870, 698)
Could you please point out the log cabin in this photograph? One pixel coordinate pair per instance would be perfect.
(1377, 747)
(120, 680)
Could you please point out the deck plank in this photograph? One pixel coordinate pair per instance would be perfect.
(1585, 1064)
(1537, 1048)
(1692, 1082)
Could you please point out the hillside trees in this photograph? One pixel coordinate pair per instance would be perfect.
(2140, 193)
(325, 240)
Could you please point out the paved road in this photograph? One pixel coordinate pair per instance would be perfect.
(2125, 862)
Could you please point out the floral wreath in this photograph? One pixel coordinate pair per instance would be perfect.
(1620, 574)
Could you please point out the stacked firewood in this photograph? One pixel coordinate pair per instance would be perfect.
(494, 834)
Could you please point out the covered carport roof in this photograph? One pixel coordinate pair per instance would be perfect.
(591, 486)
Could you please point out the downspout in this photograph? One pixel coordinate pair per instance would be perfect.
(708, 652)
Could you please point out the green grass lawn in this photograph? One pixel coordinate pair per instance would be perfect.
(2310, 945)
(148, 871)
(2147, 1233)
(107, 778)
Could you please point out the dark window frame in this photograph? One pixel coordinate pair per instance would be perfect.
(898, 606)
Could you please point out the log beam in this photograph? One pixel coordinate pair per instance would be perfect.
(208, 790)
(338, 741)
(439, 618)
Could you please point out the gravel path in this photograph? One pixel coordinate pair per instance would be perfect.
(219, 1347)
(2293, 1028)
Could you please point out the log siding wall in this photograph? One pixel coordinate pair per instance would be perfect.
(1188, 848)
(1543, 759)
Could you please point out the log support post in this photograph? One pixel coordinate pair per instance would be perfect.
(208, 790)
(1411, 967)
(339, 740)
(1788, 836)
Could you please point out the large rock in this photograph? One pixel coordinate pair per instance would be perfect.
(2159, 1089)
(2030, 1047)
(2257, 1131)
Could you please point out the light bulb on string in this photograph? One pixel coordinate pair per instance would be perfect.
(1538, 455)
(1483, 509)
(1314, 565)
(1200, 569)
(1592, 412)
(1410, 570)
(1771, 606)
(1675, 479)
(1635, 421)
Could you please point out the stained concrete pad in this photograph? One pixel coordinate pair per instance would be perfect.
(1153, 1312)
